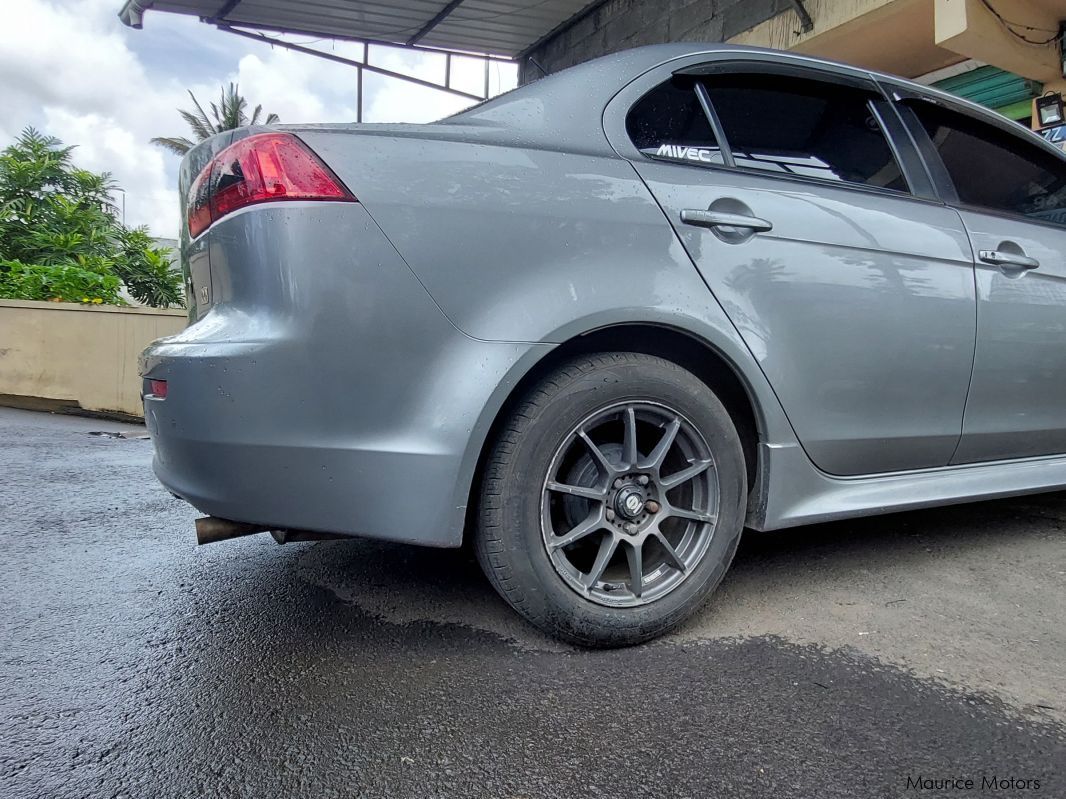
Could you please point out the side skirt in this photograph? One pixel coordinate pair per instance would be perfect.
(791, 491)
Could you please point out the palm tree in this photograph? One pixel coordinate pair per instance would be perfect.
(228, 114)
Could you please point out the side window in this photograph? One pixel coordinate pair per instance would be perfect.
(996, 169)
(668, 122)
(804, 127)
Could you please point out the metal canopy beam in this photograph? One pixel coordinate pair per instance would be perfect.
(806, 23)
(228, 7)
(221, 23)
(424, 26)
(444, 12)
(498, 27)
(360, 65)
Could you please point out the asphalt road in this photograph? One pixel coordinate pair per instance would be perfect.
(838, 660)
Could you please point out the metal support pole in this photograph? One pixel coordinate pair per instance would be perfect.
(359, 94)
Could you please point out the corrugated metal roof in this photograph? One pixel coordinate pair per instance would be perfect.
(991, 86)
(497, 27)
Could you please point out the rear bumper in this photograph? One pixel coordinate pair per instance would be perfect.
(300, 481)
(324, 390)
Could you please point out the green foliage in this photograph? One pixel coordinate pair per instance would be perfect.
(60, 238)
(58, 283)
(228, 114)
(145, 270)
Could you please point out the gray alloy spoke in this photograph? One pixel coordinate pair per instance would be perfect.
(591, 524)
(635, 556)
(623, 449)
(694, 515)
(629, 440)
(670, 551)
(603, 557)
(658, 455)
(608, 467)
(674, 480)
(585, 492)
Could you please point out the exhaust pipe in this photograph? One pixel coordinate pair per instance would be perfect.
(287, 536)
(210, 529)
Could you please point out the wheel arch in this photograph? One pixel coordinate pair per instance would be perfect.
(692, 352)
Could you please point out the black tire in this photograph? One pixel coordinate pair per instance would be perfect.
(509, 542)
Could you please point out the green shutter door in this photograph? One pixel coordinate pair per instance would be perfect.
(1002, 91)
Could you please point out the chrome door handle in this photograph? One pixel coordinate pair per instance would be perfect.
(1008, 259)
(713, 219)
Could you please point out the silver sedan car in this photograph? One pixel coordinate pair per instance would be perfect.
(599, 325)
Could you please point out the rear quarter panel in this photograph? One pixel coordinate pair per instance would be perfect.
(515, 244)
(535, 245)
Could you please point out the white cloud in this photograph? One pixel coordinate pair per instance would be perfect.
(71, 69)
(387, 102)
(298, 88)
(106, 145)
(72, 77)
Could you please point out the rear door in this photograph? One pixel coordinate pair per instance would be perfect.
(852, 287)
(1011, 195)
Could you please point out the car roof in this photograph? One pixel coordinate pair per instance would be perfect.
(565, 106)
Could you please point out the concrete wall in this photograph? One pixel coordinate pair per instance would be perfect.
(64, 354)
(621, 24)
(887, 35)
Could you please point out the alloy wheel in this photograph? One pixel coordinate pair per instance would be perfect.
(629, 504)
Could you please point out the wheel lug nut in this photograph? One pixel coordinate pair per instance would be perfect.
(619, 483)
(631, 528)
(652, 506)
(643, 479)
(610, 515)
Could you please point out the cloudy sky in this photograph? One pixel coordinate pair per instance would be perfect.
(71, 69)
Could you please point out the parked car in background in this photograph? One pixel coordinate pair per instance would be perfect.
(600, 324)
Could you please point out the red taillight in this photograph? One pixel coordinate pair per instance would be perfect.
(158, 388)
(259, 169)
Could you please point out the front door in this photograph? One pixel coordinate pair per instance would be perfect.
(855, 297)
(1012, 198)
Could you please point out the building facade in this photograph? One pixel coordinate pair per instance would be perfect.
(1002, 53)
(620, 24)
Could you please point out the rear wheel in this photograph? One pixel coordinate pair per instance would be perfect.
(613, 500)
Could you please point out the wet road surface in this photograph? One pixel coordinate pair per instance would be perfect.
(837, 660)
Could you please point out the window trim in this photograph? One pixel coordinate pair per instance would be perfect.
(716, 124)
(914, 175)
(827, 73)
(906, 149)
(867, 85)
(941, 183)
(938, 170)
